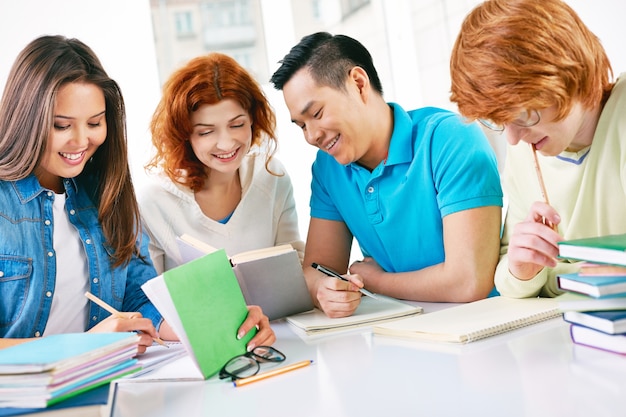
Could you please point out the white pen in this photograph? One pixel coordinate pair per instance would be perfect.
(332, 273)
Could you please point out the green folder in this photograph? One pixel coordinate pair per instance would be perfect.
(608, 249)
(211, 307)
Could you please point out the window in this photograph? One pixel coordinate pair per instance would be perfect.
(350, 6)
(184, 24)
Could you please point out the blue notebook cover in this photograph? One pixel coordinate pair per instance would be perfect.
(96, 396)
(594, 285)
(612, 322)
(48, 352)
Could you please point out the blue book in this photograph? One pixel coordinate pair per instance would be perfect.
(612, 322)
(81, 403)
(48, 370)
(60, 351)
(597, 286)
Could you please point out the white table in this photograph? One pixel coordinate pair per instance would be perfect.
(534, 371)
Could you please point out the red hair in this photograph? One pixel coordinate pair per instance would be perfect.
(207, 79)
(526, 54)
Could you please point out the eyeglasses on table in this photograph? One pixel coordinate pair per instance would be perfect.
(248, 364)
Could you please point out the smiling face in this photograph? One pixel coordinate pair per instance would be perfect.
(330, 119)
(550, 137)
(221, 136)
(79, 129)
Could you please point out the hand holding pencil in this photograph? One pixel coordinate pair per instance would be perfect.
(128, 323)
(531, 245)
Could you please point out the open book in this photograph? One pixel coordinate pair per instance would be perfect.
(202, 302)
(271, 278)
(472, 321)
(371, 310)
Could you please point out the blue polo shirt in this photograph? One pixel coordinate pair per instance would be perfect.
(437, 165)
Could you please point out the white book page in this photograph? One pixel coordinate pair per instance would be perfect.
(157, 292)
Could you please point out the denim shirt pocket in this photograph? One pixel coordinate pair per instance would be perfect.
(15, 273)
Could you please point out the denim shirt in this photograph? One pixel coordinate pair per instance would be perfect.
(28, 265)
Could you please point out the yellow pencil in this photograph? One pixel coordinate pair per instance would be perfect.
(269, 374)
(542, 186)
(117, 313)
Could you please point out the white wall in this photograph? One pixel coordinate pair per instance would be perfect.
(119, 32)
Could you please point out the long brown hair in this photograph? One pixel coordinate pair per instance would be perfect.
(27, 118)
(207, 79)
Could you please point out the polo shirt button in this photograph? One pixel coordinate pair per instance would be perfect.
(370, 189)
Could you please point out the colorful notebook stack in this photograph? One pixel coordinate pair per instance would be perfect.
(595, 298)
(48, 370)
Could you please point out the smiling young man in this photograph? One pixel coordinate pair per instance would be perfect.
(533, 70)
(419, 190)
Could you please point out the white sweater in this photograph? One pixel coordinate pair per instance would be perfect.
(266, 215)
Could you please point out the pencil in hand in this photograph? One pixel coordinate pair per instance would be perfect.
(117, 314)
(542, 186)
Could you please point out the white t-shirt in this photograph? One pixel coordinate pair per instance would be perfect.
(69, 312)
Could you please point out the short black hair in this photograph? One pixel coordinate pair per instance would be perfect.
(329, 59)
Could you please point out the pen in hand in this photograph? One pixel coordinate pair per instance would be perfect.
(116, 313)
(332, 273)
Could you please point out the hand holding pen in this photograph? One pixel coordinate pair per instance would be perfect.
(329, 272)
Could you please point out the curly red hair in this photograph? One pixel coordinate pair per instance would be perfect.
(207, 79)
(526, 54)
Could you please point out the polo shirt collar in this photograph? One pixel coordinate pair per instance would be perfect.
(401, 143)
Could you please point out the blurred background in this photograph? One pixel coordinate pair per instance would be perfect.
(140, 42)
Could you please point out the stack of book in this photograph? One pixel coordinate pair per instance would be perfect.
(594, 302)
(46, 371)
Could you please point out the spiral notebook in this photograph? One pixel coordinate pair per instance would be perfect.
(472, 321)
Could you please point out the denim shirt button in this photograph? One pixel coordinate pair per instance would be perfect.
(37, 334)
(88, 241)
(1, 274)
(95, 280)
(49, 193)
(50, 254)
(47, 222)
(72, 212)
(48, 294)
(94, 318)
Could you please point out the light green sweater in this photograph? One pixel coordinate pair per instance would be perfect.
(590, 197)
